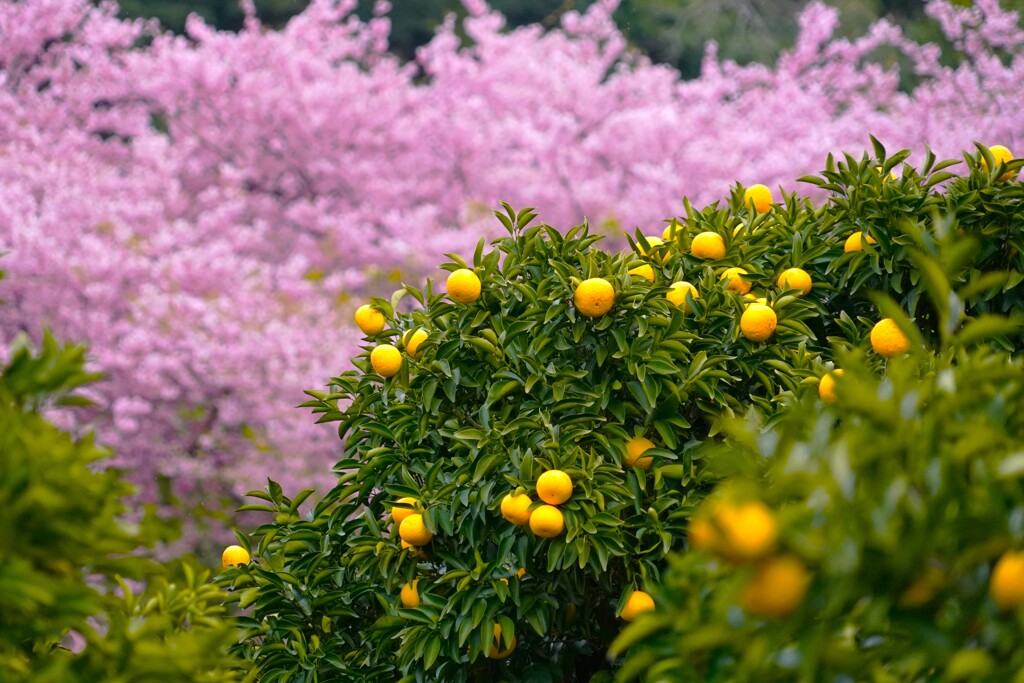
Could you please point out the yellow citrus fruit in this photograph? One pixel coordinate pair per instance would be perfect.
(413, 550)
(708, 245)
(853, 242)
(463, 286)
(892, 174)
(644, 271)
(634, 449)
(827, 386)
(554, 487)
(796, 278)
(670, 232)
(753, 299)
(758, 322)
(702, 534)
(733, 281)
(637, 603)
(413, 531)
(759, 196)
(412, 340)
(386, 360)
(887, 339)
(516, 508)
(677, 294)
(399, 513)
(547, 521)
(749, 530)
(1006, 585)
(594, 297)
(654, 243)
(410, 596)
(1001, 155)
(777, 588)
(370, 320)
(496, 652)
(234, 556)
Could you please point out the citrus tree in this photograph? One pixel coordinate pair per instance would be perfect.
(525, 448)
(880, 535)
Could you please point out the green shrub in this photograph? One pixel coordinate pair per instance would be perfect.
(518, 382)
(70, 578)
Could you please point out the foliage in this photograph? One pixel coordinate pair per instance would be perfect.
(246, 187)
(901, 496)
(518, 382)
(72, 602)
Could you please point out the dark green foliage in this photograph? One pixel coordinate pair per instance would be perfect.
(518, 382)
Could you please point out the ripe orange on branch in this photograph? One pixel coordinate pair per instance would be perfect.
(516, 508)
(637, 603)
(594, 297)
(463, 286)
(708, 245)
(547, 521)
(758, 322)
(554, 487)
(369, 320)
(413, 530)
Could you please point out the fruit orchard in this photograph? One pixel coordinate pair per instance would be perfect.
(579, 474)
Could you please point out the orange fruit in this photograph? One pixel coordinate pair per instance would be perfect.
(702, 534)
(777, 588)
(1001, 155)
(554, 487)
(634, 449)
(758, 196)
(677, 294)
(594, 297)
(752, 298)
(413, 531)
(412, 340)
(496, 652)
(796, 278)
(827, 386)
(547, 521)
(887, 339)
(1006, 585)
(644, 271)
(749, 530)
(410, 596)
(463, 286)
(399, 513)
(516, 509)
(654, 243)
(234, 556)
(386, 360)
(733, 281)
(758, 322)
(708, 245)
(853, 242)
(370, 320)
(637, 603)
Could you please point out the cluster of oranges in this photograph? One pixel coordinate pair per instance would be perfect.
(554, 487)
(463, 287)
(747, 532)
